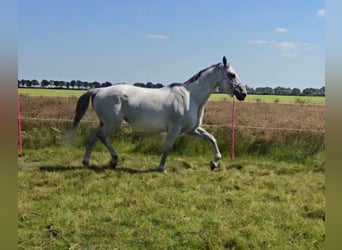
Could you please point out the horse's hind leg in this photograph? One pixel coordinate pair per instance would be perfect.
(102, 132)
(91, 142)
(103, 136)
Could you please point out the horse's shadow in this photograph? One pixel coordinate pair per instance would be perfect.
(96, 169)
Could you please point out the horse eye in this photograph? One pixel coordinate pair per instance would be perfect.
(231, 75)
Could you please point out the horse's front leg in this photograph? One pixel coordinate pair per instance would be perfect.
(170, 139)
(202, 133)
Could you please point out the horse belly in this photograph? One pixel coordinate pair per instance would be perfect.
(145, 122)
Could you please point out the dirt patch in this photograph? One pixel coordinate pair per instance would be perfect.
(269, 115)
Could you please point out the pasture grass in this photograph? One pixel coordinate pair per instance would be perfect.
(288, 146)
(252, 203)
(271, 197)
(214, 97)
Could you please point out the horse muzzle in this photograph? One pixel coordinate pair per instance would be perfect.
(240, 95)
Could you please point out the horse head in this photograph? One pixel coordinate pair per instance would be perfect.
(230, 81)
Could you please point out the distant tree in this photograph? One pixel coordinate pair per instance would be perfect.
(295, 92)
(149, 85)
(28, 83)
(159, 85)
(85, 85)
(250, 90)
(288, 91)
(264, 91)
(96, 85)
(56, 84)
(44, 83)
(139, 84)
(21, 83)
(73, 83)
(106, 84)
(51, 83)
(79, 83)
(312, 92)
(61, 84)
(35, 83)
(282, 91)
(308, 91)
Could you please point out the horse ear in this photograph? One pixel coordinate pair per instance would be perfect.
(224, 60)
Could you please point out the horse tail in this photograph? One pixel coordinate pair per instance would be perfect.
(83, 104)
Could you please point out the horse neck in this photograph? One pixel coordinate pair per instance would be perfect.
(201, 89)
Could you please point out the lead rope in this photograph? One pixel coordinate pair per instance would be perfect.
(233, 131)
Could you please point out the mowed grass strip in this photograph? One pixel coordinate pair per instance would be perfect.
(253, 203)
(37, 92)
(273, 99)
(214, 97)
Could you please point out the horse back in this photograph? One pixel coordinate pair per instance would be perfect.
(144, 108)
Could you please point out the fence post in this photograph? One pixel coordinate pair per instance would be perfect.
(233, 131)
(19, 126)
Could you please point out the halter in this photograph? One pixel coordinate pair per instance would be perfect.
(235, 84)
(225, 77)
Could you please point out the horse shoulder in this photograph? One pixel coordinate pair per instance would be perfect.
(180, 98)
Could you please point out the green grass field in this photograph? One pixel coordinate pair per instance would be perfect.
(213, 97)
(271, 197)
(251, 204)
(274, 98)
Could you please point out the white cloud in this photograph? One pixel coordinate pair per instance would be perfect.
(288, 49)
(320, 12)
(261, 42)
(286, 45)
(281, 30)
(157, 36)
(280, 45)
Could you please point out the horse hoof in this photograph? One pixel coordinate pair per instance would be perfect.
(85, 164)
(213, 165)
(162, 170)
(113, 163)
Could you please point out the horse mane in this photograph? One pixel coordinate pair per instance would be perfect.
(175, 84)
(196, 76)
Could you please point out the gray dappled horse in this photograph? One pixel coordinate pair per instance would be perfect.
(175, 109)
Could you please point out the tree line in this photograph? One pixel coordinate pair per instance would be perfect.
(287, 91)
(77, 84)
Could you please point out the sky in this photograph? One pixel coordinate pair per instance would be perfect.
(269, 43)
